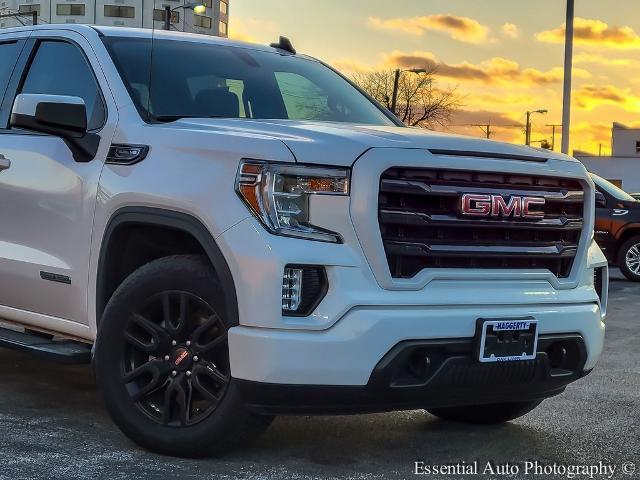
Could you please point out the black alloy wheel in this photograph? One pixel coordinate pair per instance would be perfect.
(161, 360)
(175, 366)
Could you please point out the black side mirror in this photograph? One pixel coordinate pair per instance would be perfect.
(601, 201)
(59, 115)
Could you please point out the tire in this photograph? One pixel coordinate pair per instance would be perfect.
(172, 398)
(629, 259)
(485, 414)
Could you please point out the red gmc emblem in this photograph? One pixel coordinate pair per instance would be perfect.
(485, 205)
(181, 356)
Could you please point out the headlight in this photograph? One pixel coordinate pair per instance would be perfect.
(278, 194)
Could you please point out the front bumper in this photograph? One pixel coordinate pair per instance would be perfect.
(348, 353)
(431, 374)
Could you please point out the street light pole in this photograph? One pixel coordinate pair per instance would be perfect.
(568, 63)
(396, 85)
(167, 17)
(394, 96)
(198, 9)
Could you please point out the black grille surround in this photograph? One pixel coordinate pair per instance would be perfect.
(422, 226)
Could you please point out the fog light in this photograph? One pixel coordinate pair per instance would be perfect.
(291, 289)
(303, 288)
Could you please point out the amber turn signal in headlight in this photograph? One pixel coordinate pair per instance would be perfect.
(278, 194)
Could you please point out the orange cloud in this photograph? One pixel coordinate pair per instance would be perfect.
(595, 33)
(463, 29)
(602, 60)
(505, 98)
(494, 71)
(510, 30)
(347, 65)
(589, 97)
(473, 123)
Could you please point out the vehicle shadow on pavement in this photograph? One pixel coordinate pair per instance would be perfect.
(62, 401)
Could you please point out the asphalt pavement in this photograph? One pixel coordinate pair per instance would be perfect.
(53, 425)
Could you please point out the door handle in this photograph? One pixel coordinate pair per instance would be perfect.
(4, 162)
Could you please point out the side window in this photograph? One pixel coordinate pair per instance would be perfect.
(60, 68)
(8, 55)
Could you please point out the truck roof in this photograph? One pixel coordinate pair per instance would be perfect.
(88, 30)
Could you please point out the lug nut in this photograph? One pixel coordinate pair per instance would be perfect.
(166, 358)
(174, 343)
(188, 343)
(174, 373)
(188, 373)
(195, 358)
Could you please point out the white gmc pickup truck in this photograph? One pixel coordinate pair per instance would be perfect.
(229, 232)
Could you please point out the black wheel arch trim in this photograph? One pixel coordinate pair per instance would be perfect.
(185, 222)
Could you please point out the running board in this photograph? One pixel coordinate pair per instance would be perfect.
(61, 351)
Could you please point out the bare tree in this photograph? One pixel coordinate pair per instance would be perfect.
(420, 102)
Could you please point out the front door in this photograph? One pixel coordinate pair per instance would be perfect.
(48, 199)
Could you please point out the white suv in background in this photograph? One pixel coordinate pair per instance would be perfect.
(240, 232)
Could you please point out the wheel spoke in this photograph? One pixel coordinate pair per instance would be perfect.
(159, 337)
(158, 371)
(208, 369)
(213, 325)
(177, 401)
(180, 324)
(211, 372)
(148, 347)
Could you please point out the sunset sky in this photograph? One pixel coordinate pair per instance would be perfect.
(504, 56)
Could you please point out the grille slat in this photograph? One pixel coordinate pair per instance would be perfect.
(422, 226)
(404, 217)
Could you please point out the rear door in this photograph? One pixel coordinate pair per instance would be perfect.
(48, 199)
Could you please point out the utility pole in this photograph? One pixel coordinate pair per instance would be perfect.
(485, 127)
(34, 16)
(568, 64)
(553, 133)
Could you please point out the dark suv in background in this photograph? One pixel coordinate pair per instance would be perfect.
(617, 228)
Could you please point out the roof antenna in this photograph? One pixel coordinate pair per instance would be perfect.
(284, 44)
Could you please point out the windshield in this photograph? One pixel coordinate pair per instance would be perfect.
(611, 189)
(204, 80)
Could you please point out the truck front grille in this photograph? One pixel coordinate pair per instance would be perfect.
(422, 225)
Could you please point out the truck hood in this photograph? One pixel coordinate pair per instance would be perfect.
(341, 144)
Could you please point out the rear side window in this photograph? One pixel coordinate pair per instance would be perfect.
(8, 55)
(60, 68)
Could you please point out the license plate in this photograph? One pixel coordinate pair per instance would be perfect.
(507, 340)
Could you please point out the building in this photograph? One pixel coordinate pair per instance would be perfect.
(622, 167)
(121, 13)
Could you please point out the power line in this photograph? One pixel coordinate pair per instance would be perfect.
(487, 127)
